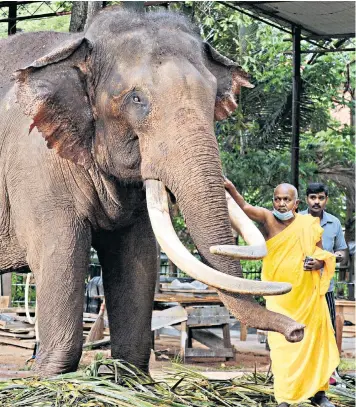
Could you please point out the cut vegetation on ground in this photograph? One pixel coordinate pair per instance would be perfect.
(109, 382)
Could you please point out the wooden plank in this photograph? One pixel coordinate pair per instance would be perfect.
(167, 317)
(19, 330)
(207, 338)
(204, 353)
(346, 302)
(4, 301)
(348, 335)
(90, 315)
(16, 310)
(96, 344)
(348, 308)
(207, 315)
(184, 299)
(171, 290)
(17, 342)
(15, 325)
(349, 330)
(19, 335)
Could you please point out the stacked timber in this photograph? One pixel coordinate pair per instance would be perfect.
(14, 328)
(17, 331)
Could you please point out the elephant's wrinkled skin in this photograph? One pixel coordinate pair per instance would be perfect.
(132, 99)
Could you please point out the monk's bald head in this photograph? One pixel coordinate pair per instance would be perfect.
(285, 198)
(285, 189)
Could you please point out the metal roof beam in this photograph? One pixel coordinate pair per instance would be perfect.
(322, 51)
(274, 15)
(329, 36)
(266, 21)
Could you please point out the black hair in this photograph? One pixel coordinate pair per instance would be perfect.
(316, 187)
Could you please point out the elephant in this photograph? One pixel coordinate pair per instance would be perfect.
(96, 128)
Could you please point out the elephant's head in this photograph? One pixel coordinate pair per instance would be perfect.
(136, 96)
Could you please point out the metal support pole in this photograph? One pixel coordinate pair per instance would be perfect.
(295, 107)
(11, 27)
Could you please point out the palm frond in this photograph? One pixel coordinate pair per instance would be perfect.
(111, 382)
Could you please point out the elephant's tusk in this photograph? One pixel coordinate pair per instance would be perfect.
(166, 236)
(244, 226)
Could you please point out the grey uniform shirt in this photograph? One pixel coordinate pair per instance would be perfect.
(333, 236)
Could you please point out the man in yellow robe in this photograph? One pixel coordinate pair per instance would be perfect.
(301, 370)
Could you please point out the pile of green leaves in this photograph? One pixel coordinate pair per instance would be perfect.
(110, 382)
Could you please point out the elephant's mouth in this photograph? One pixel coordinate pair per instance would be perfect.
(158, 210)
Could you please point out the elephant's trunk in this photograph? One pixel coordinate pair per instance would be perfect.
(201, 198)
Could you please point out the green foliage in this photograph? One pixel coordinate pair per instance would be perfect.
(329, 147)
(109, 382)
(18, 282)
(56, 23)
(182, 232)
(255, 141)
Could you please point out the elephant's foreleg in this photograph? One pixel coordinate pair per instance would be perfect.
(129, 263)
(59, 257)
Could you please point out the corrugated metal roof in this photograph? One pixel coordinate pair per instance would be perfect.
(327, 18)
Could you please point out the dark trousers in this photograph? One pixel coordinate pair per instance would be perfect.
(331, 305)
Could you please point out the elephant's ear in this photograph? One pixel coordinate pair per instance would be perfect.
(230, 77)
(52, 91)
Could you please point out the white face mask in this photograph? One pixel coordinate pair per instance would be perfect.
(283, 216)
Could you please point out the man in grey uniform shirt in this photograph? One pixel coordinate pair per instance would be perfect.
(332, 239)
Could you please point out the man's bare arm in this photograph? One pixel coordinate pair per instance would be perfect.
(255, 213)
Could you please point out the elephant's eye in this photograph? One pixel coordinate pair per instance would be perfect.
(136, 105)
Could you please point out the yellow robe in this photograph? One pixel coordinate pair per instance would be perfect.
(304, 368)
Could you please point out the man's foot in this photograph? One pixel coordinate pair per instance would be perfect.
(283, 405)
(321, 400)
(332, 381)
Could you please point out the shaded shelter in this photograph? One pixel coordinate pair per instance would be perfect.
(317, 23)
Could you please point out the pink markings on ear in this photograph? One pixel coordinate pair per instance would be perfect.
(32, 126)
(240, 78)
(225, 107)
(36, 121)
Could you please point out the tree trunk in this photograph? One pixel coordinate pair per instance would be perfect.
(79, 16)
(349, 219)
(93, 8)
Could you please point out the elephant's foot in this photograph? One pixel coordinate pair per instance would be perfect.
(53, 362)
(138, 366)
